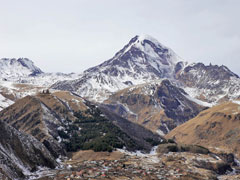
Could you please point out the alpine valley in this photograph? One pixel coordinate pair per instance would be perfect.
(143, 114)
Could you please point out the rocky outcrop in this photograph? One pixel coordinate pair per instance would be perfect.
(21, 154)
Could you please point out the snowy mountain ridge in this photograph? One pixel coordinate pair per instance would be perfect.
(23, 70)
(142, 60)
(11, 69)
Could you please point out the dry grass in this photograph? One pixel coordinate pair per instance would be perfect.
(90, 155)
(218, 127)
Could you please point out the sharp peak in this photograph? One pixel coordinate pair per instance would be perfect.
(143, 37)
(140, 40)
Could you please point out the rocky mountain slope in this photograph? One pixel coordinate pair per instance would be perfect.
(41, 120)
(216, 127)
(143, 59)
(54, 118)
(11, 92)
(210, 83)
(160, 106)
(23, 70)
(13, 69)
(21, 154)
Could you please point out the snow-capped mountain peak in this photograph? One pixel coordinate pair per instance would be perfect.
(149, 46)
(12, 69)
(142, 60)
(143, 54)
(30, 65)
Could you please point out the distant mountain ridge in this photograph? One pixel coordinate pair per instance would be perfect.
(11, 68)
(23, 70)
(143, 60)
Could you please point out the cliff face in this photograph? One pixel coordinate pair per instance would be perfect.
(21, 154)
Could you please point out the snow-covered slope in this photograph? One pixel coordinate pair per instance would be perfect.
(210, 83)
(47, 79)
(23, 70)
(20, 77)
(10, 92)
(14, 69)
(142, 60)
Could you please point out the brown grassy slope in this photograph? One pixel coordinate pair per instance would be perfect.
(141, 109)
(24, 115)
(29, 113)
(216, 127)
(153, 105)
(41, 116)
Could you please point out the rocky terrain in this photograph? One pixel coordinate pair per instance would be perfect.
(21, 154)
(143, 59)
(120, 110)
(121, 164)
(160, 106)
(61, 122)
(210, 83)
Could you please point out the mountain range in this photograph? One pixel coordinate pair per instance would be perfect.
(130, 101)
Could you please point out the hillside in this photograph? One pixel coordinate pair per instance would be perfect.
(216, 127)
(21, 154)
(159, 106)
(65, 122)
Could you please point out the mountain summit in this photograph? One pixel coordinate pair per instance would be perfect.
(142, 60)
(142, 54)
(13, 69)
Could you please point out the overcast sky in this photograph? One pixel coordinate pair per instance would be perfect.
(73, 35)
